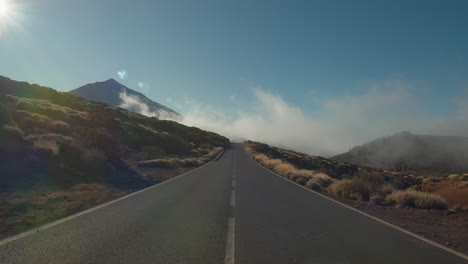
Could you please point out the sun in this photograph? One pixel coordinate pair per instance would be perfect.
(10, 18)
(4, 8)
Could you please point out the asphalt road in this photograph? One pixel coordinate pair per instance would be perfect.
(229, 211)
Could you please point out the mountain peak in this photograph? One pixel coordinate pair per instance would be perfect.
(112, 80)
(110, 92)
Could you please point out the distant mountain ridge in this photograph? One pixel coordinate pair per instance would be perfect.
(406, 151)
(114, 93)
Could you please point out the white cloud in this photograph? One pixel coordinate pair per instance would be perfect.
(134, 104)
(122, 74)
(339, 124)
(272, 121)
(336, 126)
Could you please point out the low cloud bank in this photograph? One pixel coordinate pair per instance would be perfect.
(338, 125)
(134, 104)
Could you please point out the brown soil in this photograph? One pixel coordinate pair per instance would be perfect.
(454, 192)
(441, 226)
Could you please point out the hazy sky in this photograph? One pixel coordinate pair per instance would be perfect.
(312, 55)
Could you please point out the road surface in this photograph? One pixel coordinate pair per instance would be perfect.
(229, 211)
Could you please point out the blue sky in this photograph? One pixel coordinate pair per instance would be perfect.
(216, 52)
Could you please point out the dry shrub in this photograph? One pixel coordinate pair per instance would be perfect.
(377, 199)
(147, 128)
(60, 139)
(350, 189)
(31, 121)
(455, 177)
(360, 187)
(172, 163)
(285, 169)
(205, 146)
(386, 189)
(323, 178)
(311, 179)
(60, 127)
(10, 137)
(77, 118)
(416, 199)
(7, 130)
(161, 163)
(319, 181)
(462, 184)
(301, 180)
(214, 152)
(260, 158)
(313, 184)
(430, 180)
(48, 145)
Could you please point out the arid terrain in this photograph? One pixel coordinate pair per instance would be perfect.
(60, 153)
(431, 204)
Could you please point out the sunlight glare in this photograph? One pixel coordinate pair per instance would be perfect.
(4, 8)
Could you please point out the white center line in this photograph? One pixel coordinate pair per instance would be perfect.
(229, 256)
(233, 200)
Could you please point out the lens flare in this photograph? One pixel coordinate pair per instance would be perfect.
(11, 16)
(4, 8)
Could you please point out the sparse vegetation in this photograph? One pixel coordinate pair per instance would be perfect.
(314, 179)
(416, 199)
(173, 163)
(71, 140)
(363, 184)
(48, 145)
(56, 141)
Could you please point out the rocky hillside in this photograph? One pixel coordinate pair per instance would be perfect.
(49, 137)
(61, 154)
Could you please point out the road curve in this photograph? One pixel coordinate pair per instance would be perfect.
(230, 211)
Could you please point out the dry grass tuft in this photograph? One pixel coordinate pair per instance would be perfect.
(173, 163)
(358, 183)
(60, 126)
(311, 179)
(417, 199)
(11, 130)
(457, 177)
(361, 187)
(48, 145)
(386, 189)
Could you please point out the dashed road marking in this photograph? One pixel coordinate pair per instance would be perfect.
(229, 257)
